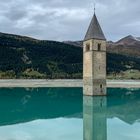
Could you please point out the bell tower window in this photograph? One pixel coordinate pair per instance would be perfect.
(101, 88)
(87, 47)
(99, 47)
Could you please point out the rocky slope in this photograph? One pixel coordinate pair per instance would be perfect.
(129, 46)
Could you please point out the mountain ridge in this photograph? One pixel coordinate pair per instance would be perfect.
(26, 57)
(129, 46)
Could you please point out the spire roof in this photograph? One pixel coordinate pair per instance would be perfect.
(94, 30)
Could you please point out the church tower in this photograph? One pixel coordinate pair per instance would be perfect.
(94, 63)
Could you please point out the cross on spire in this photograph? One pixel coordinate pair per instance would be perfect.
(94, 8)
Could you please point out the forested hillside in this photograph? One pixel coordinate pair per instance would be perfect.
(24, 57)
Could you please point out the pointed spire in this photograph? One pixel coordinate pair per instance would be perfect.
(94, 30)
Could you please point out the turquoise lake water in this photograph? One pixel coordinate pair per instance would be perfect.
(64, 114)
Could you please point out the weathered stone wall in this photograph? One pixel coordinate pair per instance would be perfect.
(94, 86)
(94, 67)
(96, 42)
(99, 61)
(88, 64)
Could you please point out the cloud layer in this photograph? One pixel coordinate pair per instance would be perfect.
(67, 19)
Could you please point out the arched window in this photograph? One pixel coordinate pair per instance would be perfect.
(87, 47)
(101, 88)
(99, 46)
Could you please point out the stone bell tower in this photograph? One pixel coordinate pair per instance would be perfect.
(94, 63)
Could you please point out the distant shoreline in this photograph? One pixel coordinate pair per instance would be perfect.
(31, 83)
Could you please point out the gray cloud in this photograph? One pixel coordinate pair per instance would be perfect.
(67, 19)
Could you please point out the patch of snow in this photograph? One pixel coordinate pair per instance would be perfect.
(137, 38)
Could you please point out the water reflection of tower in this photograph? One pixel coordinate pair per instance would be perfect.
(94, 118)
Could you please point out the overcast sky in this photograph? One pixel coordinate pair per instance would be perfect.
(69, 19)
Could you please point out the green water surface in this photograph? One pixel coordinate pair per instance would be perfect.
(64, 114)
